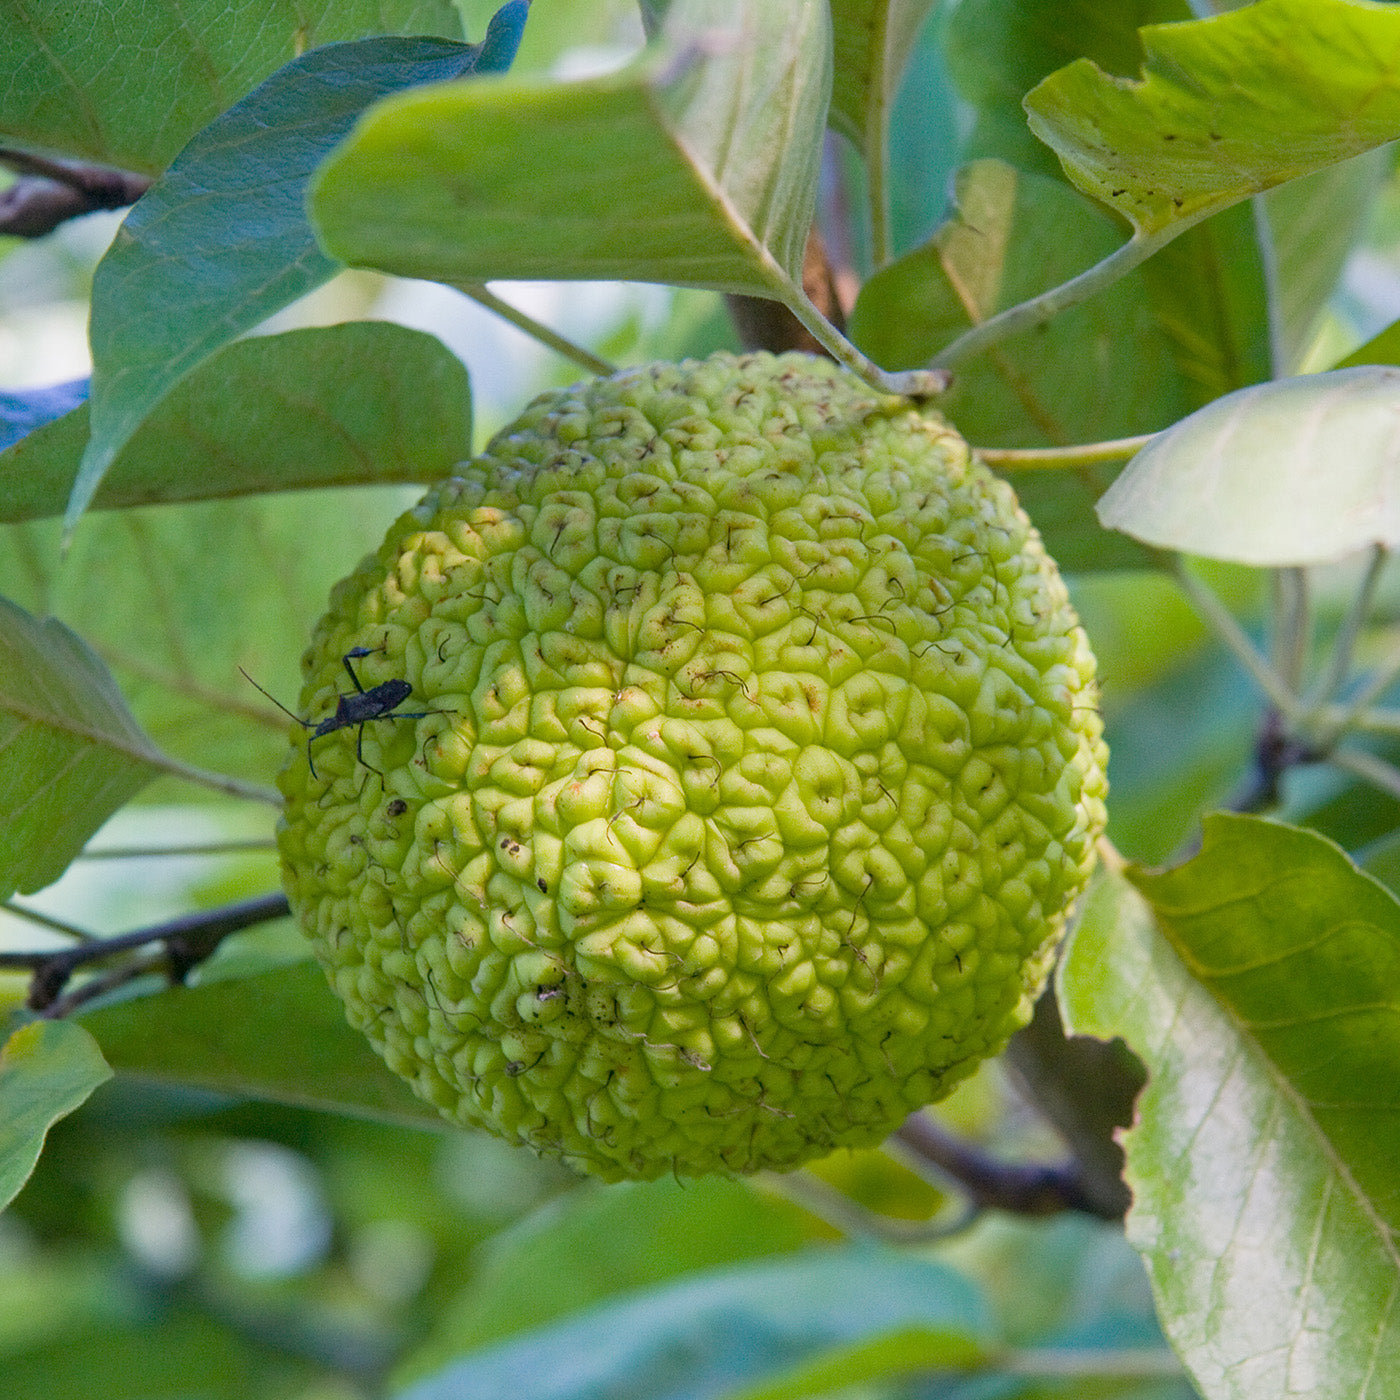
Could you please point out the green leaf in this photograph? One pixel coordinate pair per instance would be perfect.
(1012, 236)
(181, 596)
(872, 40)
(280, 1036)
(360, 403)
(1297, 471)
(905, 1352)
(1227, 107)
(47, 1069)
(73, 753)
(1382, 349)
(696, 166)
(1316, 222)
(221, 241)
(1258, 982)
(998, 50)
(709, 1334)
(597, 1242)
(81, 80)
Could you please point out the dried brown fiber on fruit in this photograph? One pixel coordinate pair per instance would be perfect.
(763, 766)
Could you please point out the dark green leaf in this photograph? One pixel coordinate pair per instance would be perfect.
(601, 1241)
(360, 403)
(221, 241)
(1258, 982)
(998, 50)
(1227, 107)
(872, 40)
(696, 166)
(73, 753)
(280, 1036)
(82, 80)
(1297, 471)
(1012, 236)
(709, 1334)
(47, 1069)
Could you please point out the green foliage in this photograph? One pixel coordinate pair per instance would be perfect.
(1111, 220)
(1257, 982)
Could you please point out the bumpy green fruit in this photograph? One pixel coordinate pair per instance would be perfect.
(761, 765)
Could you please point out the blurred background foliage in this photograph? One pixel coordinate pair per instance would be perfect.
(174, 1243)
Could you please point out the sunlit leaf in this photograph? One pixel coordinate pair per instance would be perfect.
(1297, 471)
(73, 753)
(1227, 107)
(697, 165)
(708, 1334)
(353, 404)
(1258, 982)
(221, 240)
(80, 80)
(280, 1036)
(180, 596)
(47, 1069)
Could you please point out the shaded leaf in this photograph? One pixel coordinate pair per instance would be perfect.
(697, 165)
(1207, 289)
(708, 1334)
(1012, 236)
(1297, 471)
(358, 403)
(597, 1242)
(221, 240)
(900, 1353)
(1258, 982)
(280, 1036)
(1315, 223)
(80, 79)
(872, 40)
(23, 411)
(998, 50)
(73, 753)
(47, 1069)
(1227, 107)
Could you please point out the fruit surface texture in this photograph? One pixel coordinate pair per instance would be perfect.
(751, 767)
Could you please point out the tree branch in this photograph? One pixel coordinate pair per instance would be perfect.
(1023, 1188)
(187, 942)
(50, 192)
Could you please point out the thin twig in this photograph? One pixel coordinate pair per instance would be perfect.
(1344, 644)
(50, 192)
(188, 941)
(537, 330)
(1050, 458)
(1023, 1188)
(1223, 624)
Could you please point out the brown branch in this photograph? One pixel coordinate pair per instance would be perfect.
(50, 192)
(187, 942)
(769, 325)
(1022, 1188)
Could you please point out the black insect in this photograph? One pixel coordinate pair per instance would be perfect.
(381, 701)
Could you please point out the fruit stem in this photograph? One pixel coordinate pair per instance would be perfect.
(1222, 622)
(909, 383)
(483, 296)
